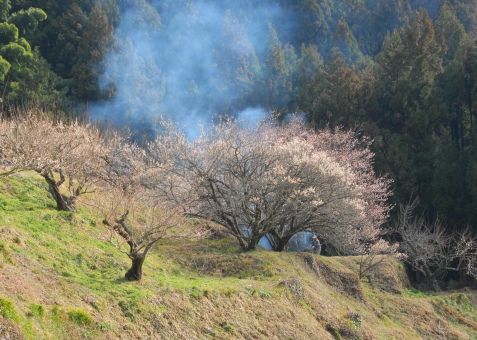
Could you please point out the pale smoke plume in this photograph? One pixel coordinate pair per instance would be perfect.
(193, 60)
(171, 64)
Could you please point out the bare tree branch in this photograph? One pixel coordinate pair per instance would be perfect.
(430, 249)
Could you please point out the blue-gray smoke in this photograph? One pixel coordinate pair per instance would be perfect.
(187, 62)
(192, 60)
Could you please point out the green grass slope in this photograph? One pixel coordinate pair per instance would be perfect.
(59, 279)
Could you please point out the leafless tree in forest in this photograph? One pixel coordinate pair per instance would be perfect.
(431, 249)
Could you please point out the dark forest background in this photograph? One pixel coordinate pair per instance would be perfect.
(403, 72)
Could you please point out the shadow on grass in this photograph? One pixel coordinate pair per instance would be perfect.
(121, 280)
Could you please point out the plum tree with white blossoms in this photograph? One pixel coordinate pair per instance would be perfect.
(136, 216)
(110, 169)
(265, 180)
(62, 153)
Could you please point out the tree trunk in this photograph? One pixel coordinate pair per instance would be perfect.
(431, 279)
(135, 272)
(428, 276)
(282, 242)
(434, 285)
(61, 202)
(252, 244)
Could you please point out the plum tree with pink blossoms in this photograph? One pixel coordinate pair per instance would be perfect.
(347, 202)
(265, 180)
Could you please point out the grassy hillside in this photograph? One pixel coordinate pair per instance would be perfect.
(60, 280)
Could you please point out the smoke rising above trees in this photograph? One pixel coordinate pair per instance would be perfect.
(192, 61)
(190, 64)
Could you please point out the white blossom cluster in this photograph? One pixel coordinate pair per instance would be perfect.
(265, 180)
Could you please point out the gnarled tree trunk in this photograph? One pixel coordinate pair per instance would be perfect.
(253, 242)
(135, 272)
(280, 243)
(61, 202)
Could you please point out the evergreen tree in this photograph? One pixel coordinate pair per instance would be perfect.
(239, 64)
(16, 56)
(450, 33)
(380, 17)
(310, 72)
(92, 48)
(466, 11)
(277, 77)
(344, 39)
(74, 41)
(408, 71)
(336, 90)
(312, 17)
